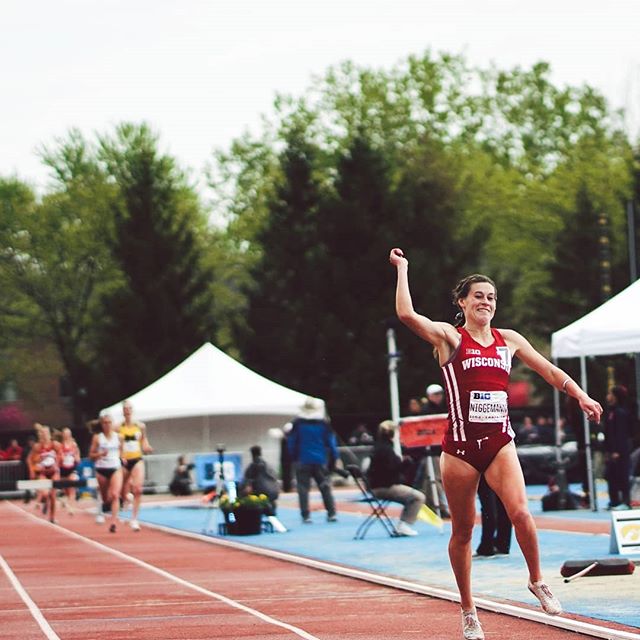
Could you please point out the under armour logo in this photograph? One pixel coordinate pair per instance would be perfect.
(460, 452)
(480, 441)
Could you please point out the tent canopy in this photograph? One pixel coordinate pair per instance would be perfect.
(610, 329)
(209, 382)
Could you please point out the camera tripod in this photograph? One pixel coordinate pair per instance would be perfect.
(222, 488)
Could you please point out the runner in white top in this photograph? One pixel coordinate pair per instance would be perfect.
(106, 450)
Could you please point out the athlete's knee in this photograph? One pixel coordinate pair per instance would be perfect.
(462, 534)
(520, 516)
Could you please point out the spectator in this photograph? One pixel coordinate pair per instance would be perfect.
(435, 404)
(387, 482)
(13, 451)
(495, 539)
(259, 478)
(546, 432)
(617, 443)
(360, 435)
(312, 445)
(414, 407)
(528, 432)
(554, 500)
(180, 484)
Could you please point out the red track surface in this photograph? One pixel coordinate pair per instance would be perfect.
(86, 591)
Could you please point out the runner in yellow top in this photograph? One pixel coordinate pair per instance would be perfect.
(134, 445)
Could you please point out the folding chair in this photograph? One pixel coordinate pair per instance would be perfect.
(378, 506)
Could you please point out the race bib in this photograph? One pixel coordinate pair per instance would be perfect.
(68, 460)
(131, 446)
(488, 406)
(48, 462)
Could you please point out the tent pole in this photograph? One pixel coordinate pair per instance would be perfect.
(593, 503)
(560, 461)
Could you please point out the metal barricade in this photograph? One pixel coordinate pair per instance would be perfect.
(10, 472)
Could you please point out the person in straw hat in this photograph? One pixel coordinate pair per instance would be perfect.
(312, 445)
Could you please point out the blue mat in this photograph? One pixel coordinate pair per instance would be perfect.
(424, 558)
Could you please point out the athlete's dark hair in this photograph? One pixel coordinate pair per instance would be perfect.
(461, 290)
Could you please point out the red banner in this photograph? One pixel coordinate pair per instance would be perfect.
(423, 431)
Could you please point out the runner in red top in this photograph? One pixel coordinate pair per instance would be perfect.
(69, 460)
(476, 360)
(476, 379)
(45, 461)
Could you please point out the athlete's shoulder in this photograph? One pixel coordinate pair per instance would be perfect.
(514, 339)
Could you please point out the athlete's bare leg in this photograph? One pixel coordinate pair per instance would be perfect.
(505, 477)
(136, 482)
(112, 491)
(460, 481)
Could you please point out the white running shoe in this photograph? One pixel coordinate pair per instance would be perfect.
(100, 518)
(549, 602)
(403, 529)
(134, 525)
(471, 629)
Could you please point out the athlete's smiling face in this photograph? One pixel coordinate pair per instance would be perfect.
(480, 304)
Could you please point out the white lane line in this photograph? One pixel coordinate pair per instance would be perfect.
(31, 605)
(560, 622)
(190, 585)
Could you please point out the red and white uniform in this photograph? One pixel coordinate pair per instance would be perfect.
(48, 460)
(476, 380)
(68, 461)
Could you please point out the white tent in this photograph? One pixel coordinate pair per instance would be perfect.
(208, 399)
(610, 329)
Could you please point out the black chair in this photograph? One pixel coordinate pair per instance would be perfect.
(378, 506)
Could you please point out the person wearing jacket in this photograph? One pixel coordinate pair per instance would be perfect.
(386, 481)
(312, 445)
(617, 444)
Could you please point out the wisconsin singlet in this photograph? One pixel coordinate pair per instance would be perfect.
(476, 380)
(131, 444)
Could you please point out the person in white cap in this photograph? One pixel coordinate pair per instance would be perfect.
(312, 445)
(435, 404)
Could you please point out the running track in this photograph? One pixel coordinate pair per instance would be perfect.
(78, 581)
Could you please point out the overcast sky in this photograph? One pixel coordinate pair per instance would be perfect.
(202, 71)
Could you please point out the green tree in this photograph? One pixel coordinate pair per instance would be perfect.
(54, 263)
(164, 310)
(278, 339)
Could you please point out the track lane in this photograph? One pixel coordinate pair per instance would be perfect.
(89, 593)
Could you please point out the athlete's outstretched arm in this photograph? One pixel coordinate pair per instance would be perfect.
(441, 335)
(555, 376)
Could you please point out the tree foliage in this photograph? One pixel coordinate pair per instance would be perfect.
(164, 310)
(484, 170)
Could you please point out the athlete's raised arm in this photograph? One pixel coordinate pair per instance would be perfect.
(441, 335)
